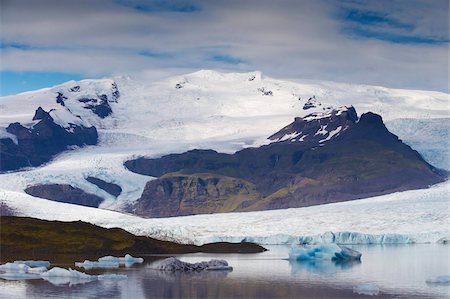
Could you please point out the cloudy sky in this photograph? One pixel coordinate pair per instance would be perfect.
(394, 43)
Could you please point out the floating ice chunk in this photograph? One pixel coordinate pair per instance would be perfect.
(131, 260)
(174, 264)
(332, 252)
(13, 267)
(369, 289)
(61, 272)
(100, 264)
(37, 270)
(127, 260)
(59, 276)
(109, 258)
(112, 277)
(19, 276)
(32, 263)
(441, 279)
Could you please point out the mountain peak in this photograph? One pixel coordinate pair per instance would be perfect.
(318, 127)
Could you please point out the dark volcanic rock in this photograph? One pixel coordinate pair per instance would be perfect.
(363, 160)
(64, 193)
(38, 144)
(111, 188)
(99, 106)
(178, 194)
(317, 127)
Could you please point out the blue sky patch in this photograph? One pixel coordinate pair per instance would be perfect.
(17, 82)
(227, 59)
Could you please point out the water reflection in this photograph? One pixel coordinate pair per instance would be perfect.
(172, 277)
(321, 266)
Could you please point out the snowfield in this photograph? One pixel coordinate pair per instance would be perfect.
(206, 109)
(416, 216)
(227, 112)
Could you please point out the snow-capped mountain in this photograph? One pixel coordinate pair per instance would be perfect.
(205, 109)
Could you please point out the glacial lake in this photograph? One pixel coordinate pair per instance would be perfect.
(400, 271)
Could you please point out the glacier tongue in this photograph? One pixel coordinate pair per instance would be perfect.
(346, 238)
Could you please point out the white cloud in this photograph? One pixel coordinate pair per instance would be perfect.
(282, 38)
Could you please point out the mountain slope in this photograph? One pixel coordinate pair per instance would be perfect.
(321, 158)
(208, 110)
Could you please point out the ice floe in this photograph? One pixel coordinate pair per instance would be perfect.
(174, 264)
(330, 252)
(93, 264)
(18, 270)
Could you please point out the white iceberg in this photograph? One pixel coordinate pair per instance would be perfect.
(19, 276)
(33, 263)
(100, 264)
(441, 279)
(126, 260)
(331, 252)
(60, 276)
(13, 267)
(174, 264)
(20, 271)
(369, 289)
(61, 272)
(131, 260)
(37, 270)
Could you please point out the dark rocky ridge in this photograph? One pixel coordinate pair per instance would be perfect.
(363, 160)
(29, 236)
(41, 142)
(64, 193)
(111, 188)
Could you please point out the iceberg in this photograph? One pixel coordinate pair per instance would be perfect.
(330, 252)
(13, 267)
(369, 289)
(20, 271)
(37, 270)
(174, 264)
(127, 260)
(100, 264)
(441, 279)
(61, 272)
(60, 276)
(19, 276)
(132, 260)
(32, 263)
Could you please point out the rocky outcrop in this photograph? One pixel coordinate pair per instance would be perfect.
(23, 237)
(64, 193)
(182, 194)
(362, 160)
(318, 127)
(40, 142)
(98, 105)
(111, 188)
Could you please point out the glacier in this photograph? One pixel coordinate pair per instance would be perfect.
(415, 216)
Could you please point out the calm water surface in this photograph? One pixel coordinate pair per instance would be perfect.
(399, 271)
